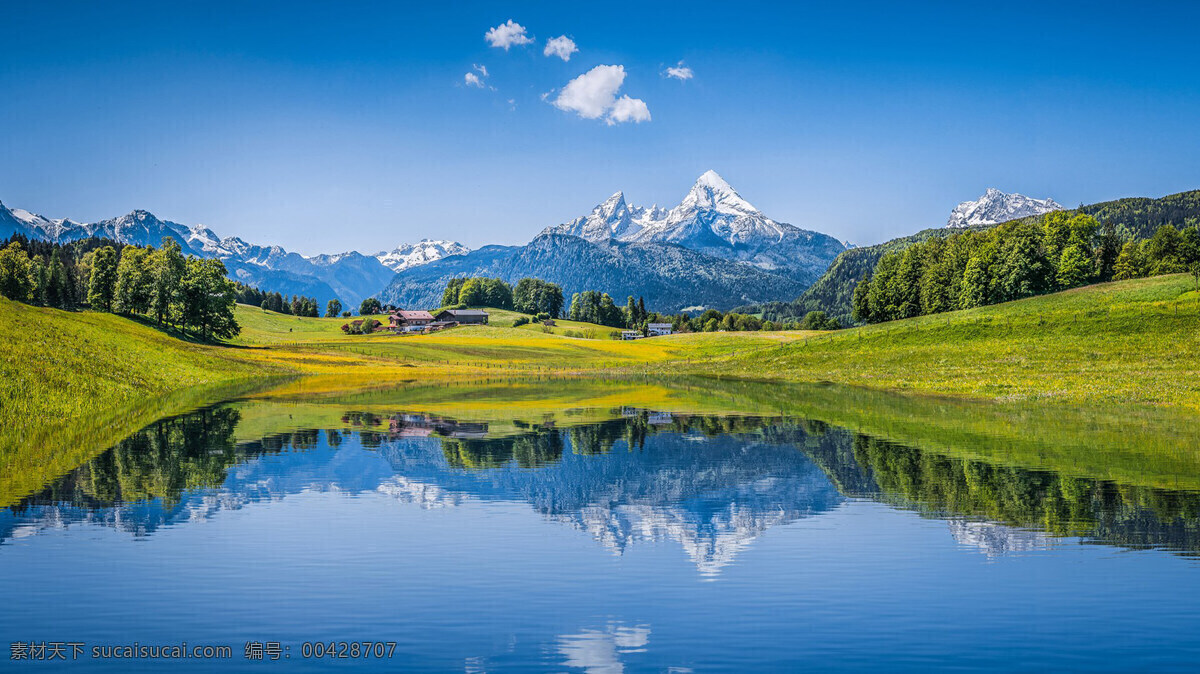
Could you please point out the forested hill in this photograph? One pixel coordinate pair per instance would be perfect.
(1139, 217)
(1134, 218)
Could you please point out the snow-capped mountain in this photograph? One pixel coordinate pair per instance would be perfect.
(349, 277)
(412, 254)
(613, 219)
(996, 207)
(715, 219)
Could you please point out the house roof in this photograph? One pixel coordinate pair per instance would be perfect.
(658, 325)
(415, 315)
(465, 312)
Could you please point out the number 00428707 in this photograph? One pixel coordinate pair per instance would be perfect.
(348, 649)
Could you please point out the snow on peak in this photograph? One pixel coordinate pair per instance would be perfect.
(996, 207)
(711, 211)
(408, 255)
(712, 192)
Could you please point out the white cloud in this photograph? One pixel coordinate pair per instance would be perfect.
(628, 109)
(478, 80)
(507, 34)
(561, 46)
(593, 95)
(679, 72)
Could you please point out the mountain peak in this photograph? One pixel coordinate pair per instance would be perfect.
(408, 255)
(712, 192)
(713, 180)
(995, 206)
(611, 205)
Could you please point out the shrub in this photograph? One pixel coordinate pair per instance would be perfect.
(523, 320)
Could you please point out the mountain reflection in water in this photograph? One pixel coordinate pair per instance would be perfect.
(712, 484)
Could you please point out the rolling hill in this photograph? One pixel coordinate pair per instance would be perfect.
(1133, 218)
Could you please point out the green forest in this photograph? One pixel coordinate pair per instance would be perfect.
(1018, 259)
(187, 293)
(1130, 219)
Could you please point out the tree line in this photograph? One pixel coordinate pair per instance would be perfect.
(592, 306)
(543, 299)
(1023, 258)
(297, 305)
(188, 293)
(531, 296)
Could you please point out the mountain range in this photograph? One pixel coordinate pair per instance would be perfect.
(713, 250)
(349, 277)
(713, 219)
(995, 207)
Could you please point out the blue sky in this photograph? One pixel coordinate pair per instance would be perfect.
(334, 126)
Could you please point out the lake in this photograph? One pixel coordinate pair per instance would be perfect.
(609, 526)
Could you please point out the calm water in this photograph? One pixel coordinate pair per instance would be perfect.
(598, 539)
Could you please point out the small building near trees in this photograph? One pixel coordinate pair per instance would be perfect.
(410, 321)
(658, 329)
(463, 316)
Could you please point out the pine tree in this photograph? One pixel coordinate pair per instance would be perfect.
(60, 291)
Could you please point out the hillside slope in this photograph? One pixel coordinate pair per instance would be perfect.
(1123, 342)
(1133, 218)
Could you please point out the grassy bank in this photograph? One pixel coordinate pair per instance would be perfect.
(1128, 342)
(63, 375)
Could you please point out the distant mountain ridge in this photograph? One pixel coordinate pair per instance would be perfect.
(413, 254)
(994, 207)
(670, 277)
(349, 277)
(714, 219)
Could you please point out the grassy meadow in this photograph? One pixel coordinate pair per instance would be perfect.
(1126, 342)
(73, 382)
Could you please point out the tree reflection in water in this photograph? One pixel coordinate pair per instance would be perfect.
(712, 483)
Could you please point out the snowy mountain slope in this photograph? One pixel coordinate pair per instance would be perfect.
(350, 276)
(712, 218)
(424, 251)
(996, 207)
(670, 277)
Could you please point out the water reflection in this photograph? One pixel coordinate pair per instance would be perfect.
(601, 651)
(712, 484)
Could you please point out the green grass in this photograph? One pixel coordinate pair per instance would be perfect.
(1115, 343)
(74, 383)
(70, 383)
(262, 327)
